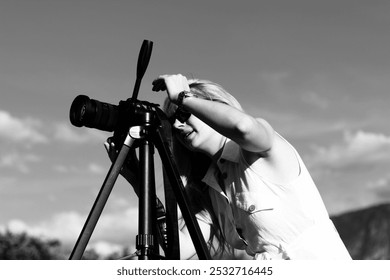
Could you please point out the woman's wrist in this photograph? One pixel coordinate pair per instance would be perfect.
(183, 95)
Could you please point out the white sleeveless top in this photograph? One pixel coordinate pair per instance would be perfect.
(269, 220)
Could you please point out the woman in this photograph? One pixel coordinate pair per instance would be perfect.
(255, 193)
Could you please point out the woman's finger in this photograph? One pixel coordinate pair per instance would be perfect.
(159, 84)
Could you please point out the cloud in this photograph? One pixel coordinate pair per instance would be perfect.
(112, 231)
(315, 99)
(18, 161)
(274, 83)
(60, 168)
(381, 187)
(379, 184)
(292, 125)
(66, 133)
(29, 130)
(104, 248)
(358, 148)
(63, 226)
(274, 78)
(92, 167)
(96, 168)
(21, 130)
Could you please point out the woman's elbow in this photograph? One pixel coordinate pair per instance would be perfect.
(255, 134)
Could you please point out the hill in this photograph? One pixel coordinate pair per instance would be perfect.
(366, 232)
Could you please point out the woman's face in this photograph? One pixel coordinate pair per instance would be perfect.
(196, 135)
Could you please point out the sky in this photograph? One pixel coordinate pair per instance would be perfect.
(317, 71)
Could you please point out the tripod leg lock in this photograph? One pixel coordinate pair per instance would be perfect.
(144, 241)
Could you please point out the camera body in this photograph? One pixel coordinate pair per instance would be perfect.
(92, 113)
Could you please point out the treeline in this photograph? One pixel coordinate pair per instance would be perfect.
(21, 246)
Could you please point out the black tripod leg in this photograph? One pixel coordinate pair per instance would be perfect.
(182, 199)
(100, 201)
(146, 241)
(172, 251)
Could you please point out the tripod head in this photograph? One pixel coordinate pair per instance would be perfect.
(92, 113)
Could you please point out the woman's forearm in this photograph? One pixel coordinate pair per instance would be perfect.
(251, 134)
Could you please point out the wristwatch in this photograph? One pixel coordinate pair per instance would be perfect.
(182, 95)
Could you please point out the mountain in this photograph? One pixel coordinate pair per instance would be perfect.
(366, 232)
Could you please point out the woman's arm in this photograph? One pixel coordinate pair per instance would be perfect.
(254, 135)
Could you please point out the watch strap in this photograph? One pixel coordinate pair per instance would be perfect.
(182, 95)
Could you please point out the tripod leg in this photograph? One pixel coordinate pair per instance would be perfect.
(146, 241)
(172, 231)
(100, 201)
(182, 199)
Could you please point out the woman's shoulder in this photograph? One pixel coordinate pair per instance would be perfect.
(279, 164)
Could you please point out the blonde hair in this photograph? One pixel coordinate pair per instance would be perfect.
(207, 90)
(193, 166)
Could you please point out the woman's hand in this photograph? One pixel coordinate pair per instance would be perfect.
(130, 168)
(173, 84)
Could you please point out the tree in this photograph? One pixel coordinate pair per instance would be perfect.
(23, 247)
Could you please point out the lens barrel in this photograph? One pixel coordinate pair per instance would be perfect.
(93, 114)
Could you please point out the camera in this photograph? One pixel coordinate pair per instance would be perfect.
(119, 119)
(94, 114)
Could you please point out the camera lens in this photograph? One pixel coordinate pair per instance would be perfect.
(93, 113)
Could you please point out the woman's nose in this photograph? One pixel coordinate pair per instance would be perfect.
(177, 124)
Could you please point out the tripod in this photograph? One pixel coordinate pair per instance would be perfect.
(149, 129)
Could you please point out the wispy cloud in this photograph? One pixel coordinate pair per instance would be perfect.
(274, 83)
(91, 167)
(380, 186)
(379, 183)
(315, 99)
(104, 248)
(21, 130)
(18, 161)
(96, 168)
(357, 148)
(33, 131)
(64, 132)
